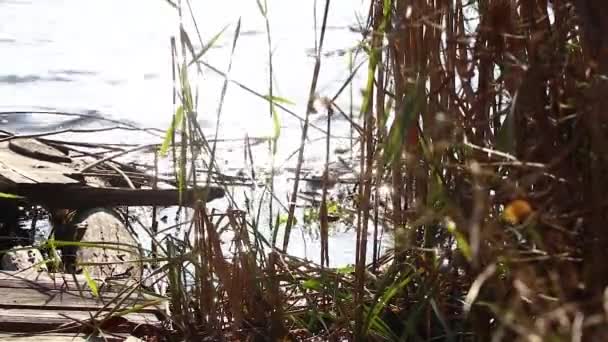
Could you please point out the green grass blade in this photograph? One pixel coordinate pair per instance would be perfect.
(386, 297)
(276, 128)
(91, 282)
(401, 125)
(278, 99)
(9, 196)
(181, 172)
(177, 120)
(209, 45)
(381, 328)
(461, 241)
(187, 101)
(312, 284)
(263, 7)
(505, 137)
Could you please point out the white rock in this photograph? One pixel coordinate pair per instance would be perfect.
(22, 258)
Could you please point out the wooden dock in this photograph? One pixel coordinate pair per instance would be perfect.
(41, 306)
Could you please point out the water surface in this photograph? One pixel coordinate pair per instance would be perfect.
(112, 58)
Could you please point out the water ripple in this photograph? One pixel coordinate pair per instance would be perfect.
(17, 79)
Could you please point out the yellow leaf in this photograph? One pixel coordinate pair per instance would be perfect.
(517, 211)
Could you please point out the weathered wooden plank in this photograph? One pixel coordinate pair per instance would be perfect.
(63, 284)
(12, 177)
(55, 337)
(78, 197)
(64, 300)
(44, 280)
(33, 148)
(49, 319)
(57, 281)
(14, 337)
(37, 171)
(36, 302)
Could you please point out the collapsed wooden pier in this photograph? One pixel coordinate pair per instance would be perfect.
(33, 172)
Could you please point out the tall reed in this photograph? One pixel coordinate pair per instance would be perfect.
(485, 120)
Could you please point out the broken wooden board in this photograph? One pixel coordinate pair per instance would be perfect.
(19, 169)
(36, 302)
(35, 149)
(59, 185)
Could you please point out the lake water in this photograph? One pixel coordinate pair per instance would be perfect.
(113, 57)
